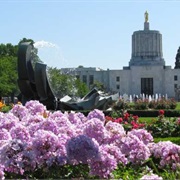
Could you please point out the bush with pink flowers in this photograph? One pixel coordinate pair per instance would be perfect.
(39, 144)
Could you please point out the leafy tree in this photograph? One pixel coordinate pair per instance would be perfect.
(81, 87)
(8, 50)
(8, 76)
(63, 84)
(8, 70)
(98, 85)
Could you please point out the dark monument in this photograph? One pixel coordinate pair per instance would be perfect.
(33, 84)
(46, 95)
(26, 80)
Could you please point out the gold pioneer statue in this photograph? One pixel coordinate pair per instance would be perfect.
(146, 16)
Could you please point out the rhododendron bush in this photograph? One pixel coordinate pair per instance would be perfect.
(36, 143)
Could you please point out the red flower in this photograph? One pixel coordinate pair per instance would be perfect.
(118, 120)
(135, 118)
(126, 115)
(134, 125)
(108, 118)
(161, 112)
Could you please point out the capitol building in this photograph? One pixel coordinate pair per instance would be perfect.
(146, 72)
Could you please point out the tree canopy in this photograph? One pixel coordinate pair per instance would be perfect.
(63, 84)
(8, 69)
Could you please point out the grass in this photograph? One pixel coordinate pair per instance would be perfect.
(175, 140)
(178, 106)
(147, 119)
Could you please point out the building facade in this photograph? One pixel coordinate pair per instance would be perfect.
(146, 74)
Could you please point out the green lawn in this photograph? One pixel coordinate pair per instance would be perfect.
(150, 119)
(178, 106)
(175, 140)
(146, 119)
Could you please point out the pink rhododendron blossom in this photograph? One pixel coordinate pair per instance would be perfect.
(20, 132)
(82, 149)
(143, 135)
(115, 130)
(134, 149)
(32, 119)
(2, 174)
(74, 119)
(105, 165)
(49, 125)
(19, 111)
(167, 152)
(151, 176)
(12, 156)
(82, 117)
(44, 145)
(96, 113)
(35, 107)
(94, 128)
(8, 121)
(33, 139)
(5, 135)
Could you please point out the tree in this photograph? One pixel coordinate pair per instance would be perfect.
(98, 85)
(8, 76)
(63, 84)
(8, 70)
(81, 87)
(8, 50)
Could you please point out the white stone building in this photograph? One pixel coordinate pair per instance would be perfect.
(146, 73)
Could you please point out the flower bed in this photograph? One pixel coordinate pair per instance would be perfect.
(36, 143)
(142, 104)
(158, 127)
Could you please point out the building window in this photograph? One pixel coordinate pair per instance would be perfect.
(84, 79)
(175, 78)
(175, 86)
(91, 79)
(117, 87)
(117, 78)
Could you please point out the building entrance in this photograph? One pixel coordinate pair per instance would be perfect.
(147, 86)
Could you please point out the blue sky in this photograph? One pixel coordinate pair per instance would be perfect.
(91, 33)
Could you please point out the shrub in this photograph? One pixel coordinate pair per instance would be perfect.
(141, 104)
(128, 121)
(163, 127)
(162, 104)
(38, 144)
(120, 104)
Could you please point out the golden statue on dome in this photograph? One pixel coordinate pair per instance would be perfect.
(146, 16)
